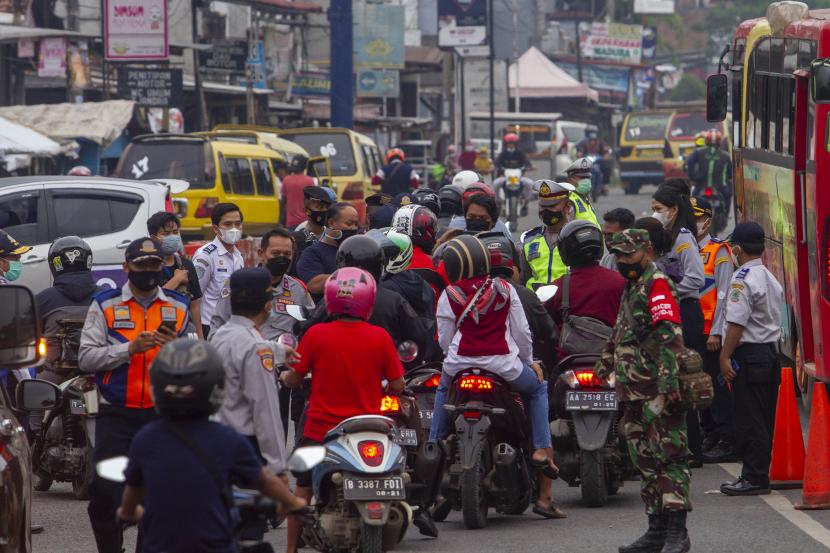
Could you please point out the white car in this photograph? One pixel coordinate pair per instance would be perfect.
(108, 213)
(567, 135)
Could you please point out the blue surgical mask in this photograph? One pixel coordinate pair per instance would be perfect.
(15, 270)
(171, 244)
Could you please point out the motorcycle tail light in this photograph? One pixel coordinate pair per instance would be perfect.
(371, 451)
(41, 347)
(205, 208)
(390, 404)
(375, 510)
(473, 383)
(708, 192)
(587, 378)
(472, 415)
(433, 381)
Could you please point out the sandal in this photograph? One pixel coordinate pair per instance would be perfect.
(547, 467)
(550, 512)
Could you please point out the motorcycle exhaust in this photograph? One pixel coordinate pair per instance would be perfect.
(396, 525)
(507, 476)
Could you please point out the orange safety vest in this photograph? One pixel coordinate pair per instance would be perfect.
(709, 292)
(129, 384)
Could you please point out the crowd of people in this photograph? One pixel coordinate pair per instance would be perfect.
(185, 340)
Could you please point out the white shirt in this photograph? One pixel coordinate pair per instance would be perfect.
(756, 301)
(214, 266)
(516, 331)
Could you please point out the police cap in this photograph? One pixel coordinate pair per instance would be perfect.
(701, 206)
(581, 166)
(250, 285)
(143, 249)
(629, 241)
(10, 246)
(551, 192)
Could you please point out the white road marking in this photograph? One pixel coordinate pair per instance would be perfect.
(783, 507)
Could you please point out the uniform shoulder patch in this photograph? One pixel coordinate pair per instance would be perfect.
(741, 274)
(208, 248)
(720, 260)
(266, 359)
(717, 240)
(684, 230)
(681, 247)
(532, 233)
(298, 281)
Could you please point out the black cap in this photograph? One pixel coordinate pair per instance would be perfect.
(701, 206)
(317, 193)
(404, 198)
(251, 284)
(10, 246)
(142, 249)
(379, 199)
(747, 233)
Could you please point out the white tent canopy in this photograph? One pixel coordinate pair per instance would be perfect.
(541, 78)
(19, 139)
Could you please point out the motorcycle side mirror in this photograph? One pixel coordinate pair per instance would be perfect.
(544, 293)
(37, 394)
(408, 351)
(296, 312)
(306, 458)
(112, 469)
(288, 340)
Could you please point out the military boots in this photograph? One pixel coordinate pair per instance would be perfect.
(654, 538)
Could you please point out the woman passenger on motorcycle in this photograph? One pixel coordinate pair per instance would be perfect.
(481, 324)
(349, 358)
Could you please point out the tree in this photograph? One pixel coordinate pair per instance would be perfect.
(689, 89)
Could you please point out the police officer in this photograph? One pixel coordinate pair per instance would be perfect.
(215, 262)
(252, 404)
(718, 269)
(749, 358)
(576, 174)
(541, 262)
(124, 330)
(642, 354)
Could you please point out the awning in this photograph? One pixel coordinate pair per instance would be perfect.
(541, 78)
(20, 139)
(221, 88)
(13, 33)
(289, 7)
(424, 55)
(100, 122)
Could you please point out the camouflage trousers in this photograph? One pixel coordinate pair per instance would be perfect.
(657, 443)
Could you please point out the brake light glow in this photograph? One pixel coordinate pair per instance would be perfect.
(708, 192)
(475, 383)
(390, 404)
(472, 415)
(587, 378)
(41, 347)
(371, 451)
(433, 381)
(205, 208)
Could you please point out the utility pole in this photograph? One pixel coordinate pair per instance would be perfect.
(341, 66)
(578, 51)
(517, 102)
(201, 119)
(492, 39)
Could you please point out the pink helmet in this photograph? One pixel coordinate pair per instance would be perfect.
(80, 171)
(350, 291)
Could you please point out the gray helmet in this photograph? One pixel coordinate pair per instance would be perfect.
(188, 379)
(69, 254)
(580, 243)
(581, 167)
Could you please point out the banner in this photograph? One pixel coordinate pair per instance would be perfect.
(226, 56)
(462, 22)
(309, 84)
(378, 84)
(661, 7)
(379, 37)
(135, 30)
(52, 58)
(614, 42)
(598, 77)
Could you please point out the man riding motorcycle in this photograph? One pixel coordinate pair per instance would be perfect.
(511, 157)
(712, 168)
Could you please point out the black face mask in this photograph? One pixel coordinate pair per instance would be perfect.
(550, 218)
(631, 271)
(144, 280)
(278, 266)
(349, 232)
(477, 225)
(317, 217)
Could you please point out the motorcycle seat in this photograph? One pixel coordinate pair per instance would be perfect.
(363, 423)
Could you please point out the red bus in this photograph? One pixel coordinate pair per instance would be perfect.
(781, 160)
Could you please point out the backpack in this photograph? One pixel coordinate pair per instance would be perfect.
(66, 343)
(580, 334)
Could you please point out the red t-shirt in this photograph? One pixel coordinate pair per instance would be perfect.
(292, 191)
(348, 360)
(594, 292)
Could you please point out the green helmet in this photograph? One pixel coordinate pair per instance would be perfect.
(400, 262)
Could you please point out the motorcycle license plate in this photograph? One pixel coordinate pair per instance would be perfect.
(77, 407)
(591, 401)
(407, 437)
(367, 488)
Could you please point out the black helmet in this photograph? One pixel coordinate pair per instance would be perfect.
(298, 163)
(419, 223)
(362, 252)
(69, 254)
(429, 199)
(503, 253)
(187, 379)
(465, 257)
(580, 243)
(450, 198)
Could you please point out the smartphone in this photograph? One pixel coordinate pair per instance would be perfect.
(169, 325)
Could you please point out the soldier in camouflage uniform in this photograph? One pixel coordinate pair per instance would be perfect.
(642, 355)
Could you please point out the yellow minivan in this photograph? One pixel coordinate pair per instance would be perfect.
(642, 143)
(683, 127)
(217, 170)
(354, 159)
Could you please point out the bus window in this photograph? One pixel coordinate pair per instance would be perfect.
(737, 108)
(791, 55)
(806, 53)
(787, 102)
(776, 58)
(773, 113)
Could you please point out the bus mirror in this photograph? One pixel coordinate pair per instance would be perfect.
(820, 75)
(716, 96)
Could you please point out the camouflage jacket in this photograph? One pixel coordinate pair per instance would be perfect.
(642, 349)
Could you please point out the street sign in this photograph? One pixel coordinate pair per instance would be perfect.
(614, 42)
(229, 56)
(309, 84)
(663, 7)
(378, 36)
(256, 65)
(462, 22)
(135, 30)
(473, 51)
(372, 83)
(158, 88)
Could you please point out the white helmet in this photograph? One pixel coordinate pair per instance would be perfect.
(466, 178)
(581, 167)
(404, 258)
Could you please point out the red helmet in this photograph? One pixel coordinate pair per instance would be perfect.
(713, 137)
(80, 171)
(419, 223)
(395, 153)
(350, 291)
(474, 190)
(511, 138)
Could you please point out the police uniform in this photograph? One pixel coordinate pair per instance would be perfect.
(582, 168)
(214, 265)
(115, 318)
(754, 302)
(252, 405)
(11, 247)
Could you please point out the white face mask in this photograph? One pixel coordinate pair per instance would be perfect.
(661, 216)
(230, 235)
(701, 227)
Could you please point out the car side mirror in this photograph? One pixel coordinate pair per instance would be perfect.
(19, 328)
(37, 394)
(306, 458)
(716, 97)
(820, 79)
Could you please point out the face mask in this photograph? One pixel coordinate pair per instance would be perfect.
(511, 149)
(348, 233)
(550, 218)
(15, 270)
(171, 244)
(230, 235)
(317, 217)
(631, 271)
(477, 225)
(277, 266)
(144, 280)
(701, 228)
(661, 216)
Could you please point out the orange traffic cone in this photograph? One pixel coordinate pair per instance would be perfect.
(816, 489)
(786, 471)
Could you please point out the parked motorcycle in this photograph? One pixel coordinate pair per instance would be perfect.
(359, 479)
(489, 454)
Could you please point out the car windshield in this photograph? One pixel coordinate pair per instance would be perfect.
(337, 146)
(684, 126)
(647, 126)
(157, 160)
(573, 134)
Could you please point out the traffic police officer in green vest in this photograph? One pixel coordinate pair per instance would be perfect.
(577, 172)
(541, 262)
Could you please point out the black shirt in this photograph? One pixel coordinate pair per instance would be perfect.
(191, 290)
